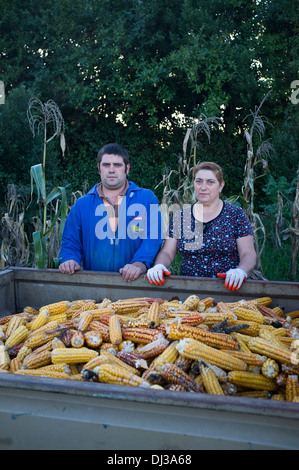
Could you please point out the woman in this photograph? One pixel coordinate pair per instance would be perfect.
(214, 237)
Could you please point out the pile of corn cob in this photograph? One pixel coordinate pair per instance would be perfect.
(243, 348)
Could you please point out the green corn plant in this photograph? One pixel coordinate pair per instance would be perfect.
(46, 118)
(257, 157)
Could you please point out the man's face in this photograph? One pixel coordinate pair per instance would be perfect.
(113, 171)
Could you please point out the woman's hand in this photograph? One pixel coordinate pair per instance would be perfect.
(234, 278)
(155, 275)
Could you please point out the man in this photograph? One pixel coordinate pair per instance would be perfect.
(116, 226)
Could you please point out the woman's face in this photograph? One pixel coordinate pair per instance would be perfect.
(207, 187)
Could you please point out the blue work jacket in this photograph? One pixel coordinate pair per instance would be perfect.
(88, 238)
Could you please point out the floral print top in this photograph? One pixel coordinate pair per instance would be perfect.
(210, 248)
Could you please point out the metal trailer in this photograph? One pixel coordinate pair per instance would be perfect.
(46, 414)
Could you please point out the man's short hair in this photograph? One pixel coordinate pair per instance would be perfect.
(113, 149)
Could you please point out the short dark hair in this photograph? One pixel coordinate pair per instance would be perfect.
(216, 169)
(113, 149)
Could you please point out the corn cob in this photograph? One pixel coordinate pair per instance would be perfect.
(72, 355)
(43, 373)
(132, 360)
(242, 344)
(262, 301)
(191, 319)
(57, 343)
(153, 377)
(113, 349)
(115, 332)
(270, 369)
(93, 339)
(153, 316)
(269, 336)
(99, 312)
(77, 340)
(40, 320)
(265, 348)
(23, 352)
(108, 358)
(252, 328)
(269, 313)
(255, 394)
(88, 305)
(99, 327)
(57, 307)
(4, 358)
(5, 320)
(169, 355)
(128, 306)
(126, 346)
(211, 318)
(250, 358)
(210, 381)
(42, 338)
(251, 380)
(219, 340)
(182, 362)
(278, 396)
(293, 315)
(175, 375)
(15, 364)
(191, 303)
(139, 322)
(199, 351)
(140, 335)
(152, 349)
(36, 360)
(50, 326)
(113, 374)
(172, 387)
(17, 337)
(31, 310)
(84, 320)
(13, 324)
(209, 302)
(291, 387)
(61, 318)
(249, 315)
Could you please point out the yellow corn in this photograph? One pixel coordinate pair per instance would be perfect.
(17, 337)
(152, 349)
(84, 320)
(13, 324)
(129, 306)
(99, 327)
(278, 396)
(153, 316)
(191, 303)
(107, 357)
(4, 358)
(60, 317)
(168, 356)
(270, 368)
(93, 339)
(174, 375)
(73, 355)
(115, 331)
(262, 301)
(37, 359)
(249, 357)
(210, 381)
(57, 343)
(265, 348)
(211, 318)
(140, 335)
(199, 351)
(23, 352)
(251, 380)
(242, 344)
(113, 374)
(254, 394)
(43, 373)
(291, 387)
(41, 338)
(15, 364)
(77, 340)
(40, 320)
(249, 315)
(57, 307)
(269, 336)
(219, 340)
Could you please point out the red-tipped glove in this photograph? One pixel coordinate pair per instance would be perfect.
(155, 275)
(234, 278)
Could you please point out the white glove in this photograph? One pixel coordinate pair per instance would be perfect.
(156, 274)
(234, 278)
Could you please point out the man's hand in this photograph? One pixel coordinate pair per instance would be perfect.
(233, 279)
(156, 274)
(131, 272)
(69, 267)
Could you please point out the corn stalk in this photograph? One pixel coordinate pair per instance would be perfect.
(256, 157)
(46, 118)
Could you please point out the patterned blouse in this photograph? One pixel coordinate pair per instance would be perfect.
(209, 248)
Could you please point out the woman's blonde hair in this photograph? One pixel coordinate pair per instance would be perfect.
(216, 169)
